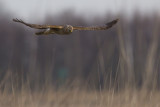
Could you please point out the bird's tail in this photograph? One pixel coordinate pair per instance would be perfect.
(45, 32)
(40, 33)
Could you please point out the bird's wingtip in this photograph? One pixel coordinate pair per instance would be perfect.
(14, 20)
(112, 22)
(17, 20)
(116, 20)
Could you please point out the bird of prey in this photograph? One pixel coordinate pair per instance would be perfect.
(64, 29)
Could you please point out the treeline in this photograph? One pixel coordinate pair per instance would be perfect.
(126, 55)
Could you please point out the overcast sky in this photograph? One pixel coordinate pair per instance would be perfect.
(39, 8)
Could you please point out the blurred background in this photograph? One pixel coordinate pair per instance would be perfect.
(119, 67)
(125, 56)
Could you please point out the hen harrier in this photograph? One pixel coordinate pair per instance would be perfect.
(64, 30)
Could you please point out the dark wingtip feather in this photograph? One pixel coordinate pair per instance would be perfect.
(18, 20)
(15, 20)
(110, 24)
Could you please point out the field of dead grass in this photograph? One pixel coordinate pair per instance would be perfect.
(80, 98)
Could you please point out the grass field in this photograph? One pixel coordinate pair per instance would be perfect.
(80, 98)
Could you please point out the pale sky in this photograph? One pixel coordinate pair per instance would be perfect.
(40, 8)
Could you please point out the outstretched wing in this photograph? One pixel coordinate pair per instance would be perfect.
(107, 26)
(37, 26)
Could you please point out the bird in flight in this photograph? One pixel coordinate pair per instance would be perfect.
(64, 29)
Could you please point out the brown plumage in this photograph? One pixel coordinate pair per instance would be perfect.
(64, 30)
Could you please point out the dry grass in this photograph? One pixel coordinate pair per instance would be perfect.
(81, 98)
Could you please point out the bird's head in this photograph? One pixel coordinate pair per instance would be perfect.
(68, 28)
